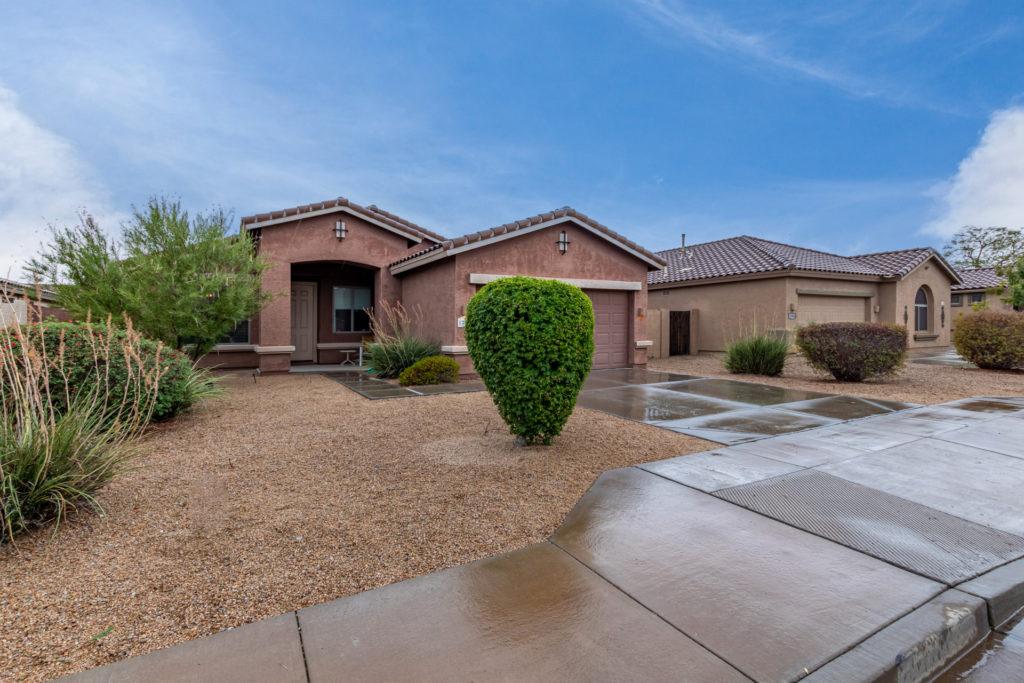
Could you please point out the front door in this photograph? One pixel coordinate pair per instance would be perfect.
(304, 321)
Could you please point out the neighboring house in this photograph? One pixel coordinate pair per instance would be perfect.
(331, 261)
(23, 303)
(712, 293)
(979, 286)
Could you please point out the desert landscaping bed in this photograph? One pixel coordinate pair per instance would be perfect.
(287, 492)
(916, 383)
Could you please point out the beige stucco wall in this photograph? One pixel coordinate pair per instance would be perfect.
(929, 274)
(430, 292)
(727, 310)
(993, 302)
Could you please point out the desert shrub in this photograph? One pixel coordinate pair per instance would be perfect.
(181, 385)
(58, 444)
(430, 370)
(853, 352)
(532, 342)
(396, 344)
(758, 354)
(990, 339)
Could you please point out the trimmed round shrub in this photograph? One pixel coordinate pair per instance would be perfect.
(991, 340)
(430, 370)
(532, 342)
(853, 352)
(759, 354)
(180, 386)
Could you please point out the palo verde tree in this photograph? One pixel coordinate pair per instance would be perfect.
(183, 280)
(991, 247)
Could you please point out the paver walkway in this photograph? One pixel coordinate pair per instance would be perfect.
(880, 548)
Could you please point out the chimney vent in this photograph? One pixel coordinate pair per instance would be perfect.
(683, 241)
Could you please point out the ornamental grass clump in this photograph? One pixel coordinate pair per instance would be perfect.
(61, 443)
(853, 352)
(395, 344)
(532, 342)
(758, 354)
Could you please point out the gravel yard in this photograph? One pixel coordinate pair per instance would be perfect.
(916, 383)
(286, 493)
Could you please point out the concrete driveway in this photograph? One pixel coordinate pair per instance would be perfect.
(881, 548)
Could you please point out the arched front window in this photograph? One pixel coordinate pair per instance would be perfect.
(922, 314)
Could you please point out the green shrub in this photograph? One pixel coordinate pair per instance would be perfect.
(59, 447)
(532, 342)
(758, 354)
(182, 385)
(430, 370)
(991, 340)
(853, 352)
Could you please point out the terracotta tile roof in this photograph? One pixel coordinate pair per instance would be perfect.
(979, 278)
(507, 228)
(747, 255)
(370, 211)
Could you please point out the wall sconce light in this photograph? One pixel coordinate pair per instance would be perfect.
(942, 313)
(906, 315)
(792, 307)
(340, 230)
(563, 243)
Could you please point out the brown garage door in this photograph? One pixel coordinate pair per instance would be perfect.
(816, 308)
(611, 328)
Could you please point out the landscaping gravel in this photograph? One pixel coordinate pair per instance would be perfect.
(286, 492)
(916, 383)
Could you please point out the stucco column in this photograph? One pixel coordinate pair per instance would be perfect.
(274, 349)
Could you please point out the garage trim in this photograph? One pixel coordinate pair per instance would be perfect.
(626, 285)
(834, 292)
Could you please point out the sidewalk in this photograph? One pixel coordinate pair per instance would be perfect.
(882, 547)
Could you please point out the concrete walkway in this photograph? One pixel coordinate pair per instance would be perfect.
(881, 548)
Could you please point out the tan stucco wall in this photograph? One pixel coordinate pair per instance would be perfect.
(993, 302)
(728, 310)
(939, 282)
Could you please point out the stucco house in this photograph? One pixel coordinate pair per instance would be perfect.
(712, 293)
(331, 261)
(22, 303)
(977, 286)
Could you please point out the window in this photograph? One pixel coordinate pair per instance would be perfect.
(977, 297)
(239, 335)
(350, 306)
(921, 313)
(956, 299)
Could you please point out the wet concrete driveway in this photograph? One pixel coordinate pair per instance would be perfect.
(884, 548)
(720, 410)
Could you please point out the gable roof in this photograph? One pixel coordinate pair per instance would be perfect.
(979, 278)
(371, 213)
(745, 255)
(455, 245)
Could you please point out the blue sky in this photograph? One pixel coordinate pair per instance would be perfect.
(850, 127)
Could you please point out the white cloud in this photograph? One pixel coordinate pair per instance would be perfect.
(988, 188)
(42, 181)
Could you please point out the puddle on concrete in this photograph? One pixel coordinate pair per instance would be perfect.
(649, 404)
(839, 407)
(743, 392)
(754, 421)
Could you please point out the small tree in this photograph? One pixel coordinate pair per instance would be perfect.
(182, 280)
(532, 342)
(1014, 292)
(991, 247)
